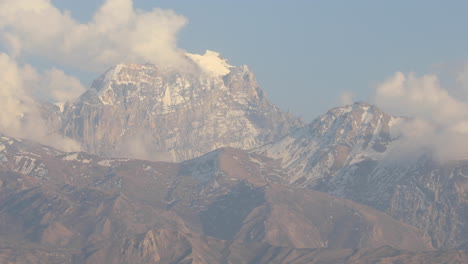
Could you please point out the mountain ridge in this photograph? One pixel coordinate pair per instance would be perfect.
(51, 199)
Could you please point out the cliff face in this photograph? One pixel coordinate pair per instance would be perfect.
(162, 114)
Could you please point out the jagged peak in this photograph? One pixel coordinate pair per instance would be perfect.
(357, 106)
(240, 81)
(211, 64)
(207, 66)
(359, 113)
(359, 119)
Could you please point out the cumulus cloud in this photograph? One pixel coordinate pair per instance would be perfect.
(117, 33)
(20, 114)
(437, 123)
(420, 97)
(13, 101)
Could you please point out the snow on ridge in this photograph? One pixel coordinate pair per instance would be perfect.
(112, 74)
(109, 77)
(212, 63)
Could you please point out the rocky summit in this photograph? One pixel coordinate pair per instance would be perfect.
(164, 114)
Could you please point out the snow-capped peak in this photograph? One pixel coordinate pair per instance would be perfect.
(211, 62)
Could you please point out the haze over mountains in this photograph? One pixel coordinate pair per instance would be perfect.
(248, 183)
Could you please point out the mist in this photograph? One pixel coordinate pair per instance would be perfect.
(437, 122)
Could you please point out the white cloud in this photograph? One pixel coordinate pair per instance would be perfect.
(52, 85)
(117, 33)
(438, 122)
(420, 97)
(20, 115)
(211, 62)
(13, 101)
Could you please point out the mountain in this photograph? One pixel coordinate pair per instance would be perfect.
(168, 114)
(228, 206)
(228, 177)
(354, 152)
(341, 138)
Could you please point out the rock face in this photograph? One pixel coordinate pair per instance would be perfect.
(173, 115)
(231, 205)
(353, 152)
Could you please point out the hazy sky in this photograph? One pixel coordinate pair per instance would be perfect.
(305, 54)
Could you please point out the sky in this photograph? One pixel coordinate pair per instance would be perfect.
(308, 54)
(407, 57)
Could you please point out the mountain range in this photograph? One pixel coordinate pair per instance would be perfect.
(198, 166)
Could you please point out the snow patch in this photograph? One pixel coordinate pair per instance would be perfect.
(167, 100)
(366, 116)
(70, 157)
(110, 76)
(106, 163)
(61, 106)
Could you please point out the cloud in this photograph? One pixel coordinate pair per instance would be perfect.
(13, 101)
(20, 114)
(438, 122)
(420, 97)
(117, 33)
(346, 98)
(53, 85)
